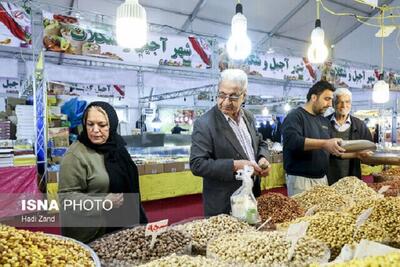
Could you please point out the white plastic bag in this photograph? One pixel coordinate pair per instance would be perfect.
(243, 202)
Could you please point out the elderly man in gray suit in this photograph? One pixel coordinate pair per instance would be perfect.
(224, 140)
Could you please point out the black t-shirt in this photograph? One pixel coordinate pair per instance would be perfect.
(298, 125)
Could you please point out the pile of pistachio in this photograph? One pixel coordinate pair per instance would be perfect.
(203, 230)
(321, 198)
(354, 189)
(266, 249)
(184, 261)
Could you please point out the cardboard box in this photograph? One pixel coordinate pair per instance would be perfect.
(140, 169)
(153, 168)
(174, 167)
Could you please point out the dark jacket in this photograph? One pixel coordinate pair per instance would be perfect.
(214, 148)
(358, 130)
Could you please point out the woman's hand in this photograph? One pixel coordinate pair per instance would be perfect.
(116, 198)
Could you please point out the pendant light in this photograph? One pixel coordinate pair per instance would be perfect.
(239, 44)
(317, 52)
(131, 25)
(380, 92)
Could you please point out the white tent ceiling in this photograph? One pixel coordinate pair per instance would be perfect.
(284, 25)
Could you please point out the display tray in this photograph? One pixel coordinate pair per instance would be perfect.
(93, 254)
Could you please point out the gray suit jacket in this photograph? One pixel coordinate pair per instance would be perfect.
(214, 147)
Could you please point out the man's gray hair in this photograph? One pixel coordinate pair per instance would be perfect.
(340, 92)
(236, 76)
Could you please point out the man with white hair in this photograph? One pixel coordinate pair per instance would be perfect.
(224, 140)
(346, 127)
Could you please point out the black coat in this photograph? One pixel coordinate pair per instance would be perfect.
(358, 130)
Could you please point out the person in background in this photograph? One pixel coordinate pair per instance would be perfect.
(307, 141)
(276, 135)
(346, 127)
(98, 163)
(376, 134)
(141, 124)
(177, 129)
(224, 140)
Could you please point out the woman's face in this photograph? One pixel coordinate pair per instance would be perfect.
(97, 126)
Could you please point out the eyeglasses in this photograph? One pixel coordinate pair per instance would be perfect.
(230, 97)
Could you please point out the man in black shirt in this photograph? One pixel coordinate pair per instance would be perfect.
(307, 141)
(177, 129)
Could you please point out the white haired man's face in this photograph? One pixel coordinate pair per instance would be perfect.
(343, 105)
(230, 98)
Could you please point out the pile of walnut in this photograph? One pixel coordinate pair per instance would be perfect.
(132, 247)
(202, 231)
(278, 207)
(266, 249)
(25, 248)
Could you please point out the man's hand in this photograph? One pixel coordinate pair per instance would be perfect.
(332, 146)
(364, 154)
(265, 167)
(239, 164)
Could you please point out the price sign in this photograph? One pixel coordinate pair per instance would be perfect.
(294, 233)
(154, 229)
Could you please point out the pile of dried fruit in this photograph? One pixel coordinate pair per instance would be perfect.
(321, 198)
(278, 207)
(394, 188)
(184, 261)
(131, 246)
(202, 231)
(337, 229)
(354, 189)
(385, 213)
(25, 248)
(266, 249)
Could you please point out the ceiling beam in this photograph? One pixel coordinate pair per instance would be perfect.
(364, 13)
(282, 22)
(200, 4)
(222, 23)
(357, 24)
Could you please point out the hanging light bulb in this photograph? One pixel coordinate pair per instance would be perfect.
(380, 92)
(287, 107)
(239, 44)
(317, 52)
(265, 111)
(131, 25)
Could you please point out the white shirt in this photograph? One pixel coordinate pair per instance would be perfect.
(341, 128)
(242, 134)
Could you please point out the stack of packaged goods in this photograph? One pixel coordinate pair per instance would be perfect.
(5, 129)
(23, 153)
(6, 153)
(26, 122)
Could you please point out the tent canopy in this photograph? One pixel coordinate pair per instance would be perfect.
(284, 25)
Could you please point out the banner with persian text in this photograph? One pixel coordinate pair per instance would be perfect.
(71, 35)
